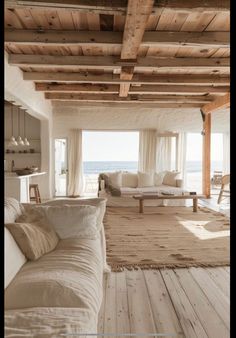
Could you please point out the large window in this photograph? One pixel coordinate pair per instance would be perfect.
(110, 151)
(194, 159)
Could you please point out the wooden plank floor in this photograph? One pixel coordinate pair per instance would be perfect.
(191, 302)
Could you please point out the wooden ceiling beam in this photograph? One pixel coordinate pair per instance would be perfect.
(219, 103)
(144, 89)
(125, 105)
(135, 24)
(78, 88)
(95, 38)
(119, 7)
(166, 79)
(129, 98)
(113, 62)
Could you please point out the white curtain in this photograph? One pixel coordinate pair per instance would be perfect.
(181, 152)
(147, 151)
(75, 165)
(163, 153)
(226, 153)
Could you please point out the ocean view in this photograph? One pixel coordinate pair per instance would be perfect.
(95, 167)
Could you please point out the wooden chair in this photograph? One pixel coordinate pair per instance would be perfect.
(217, 178)
(36, 196)
(225, 181)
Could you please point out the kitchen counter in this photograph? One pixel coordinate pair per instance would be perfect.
(18, 186)
(11, 175)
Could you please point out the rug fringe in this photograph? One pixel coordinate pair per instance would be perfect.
(130, 267)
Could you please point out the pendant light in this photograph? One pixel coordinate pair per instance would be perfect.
(12, 141)
(26, 142)
(19, 139)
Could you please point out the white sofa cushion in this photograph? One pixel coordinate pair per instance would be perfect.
(99, 203)
(129, 180)
(12, 209)
(145, 179)
(13, 257)
(34, 239)
(170, 178)
(158, 178)
(71, 221)
(115, 179)
(69, 276)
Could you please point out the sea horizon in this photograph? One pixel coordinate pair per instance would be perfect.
(95, 167)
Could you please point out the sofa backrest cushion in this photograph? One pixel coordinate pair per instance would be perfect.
(98, 202)
(72, 221)
(129, 180)
(12, 209)
(145, 179)
(115, 179)
(158, 178)
(170, 178)
(13, 257)
(34, 239)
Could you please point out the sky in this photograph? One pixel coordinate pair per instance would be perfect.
(110, 146)
(123, 146)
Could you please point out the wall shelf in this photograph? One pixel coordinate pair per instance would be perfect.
(34, 154)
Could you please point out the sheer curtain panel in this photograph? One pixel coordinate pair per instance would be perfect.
(163, 153)
(147, 151)
(181, 155)
(75, 163)
(226, 153)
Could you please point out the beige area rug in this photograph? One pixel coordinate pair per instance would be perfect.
(167, 237)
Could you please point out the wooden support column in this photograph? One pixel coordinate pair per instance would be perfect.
(206, 156)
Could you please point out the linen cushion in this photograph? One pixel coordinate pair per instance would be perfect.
(99, 203)
(34, 239)
(129, 180)
(12, 209)
(145, 179)
(69, 276)
(158, 178)
(170, 178)
(13, 257)
(115, 179)
(70, 221)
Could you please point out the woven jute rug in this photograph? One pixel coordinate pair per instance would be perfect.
(169, 237)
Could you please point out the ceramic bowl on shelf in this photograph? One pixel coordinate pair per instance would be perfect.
(25, 171)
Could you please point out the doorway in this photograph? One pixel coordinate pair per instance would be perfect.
(61, 170)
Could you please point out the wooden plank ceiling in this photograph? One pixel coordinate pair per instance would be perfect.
(171, 53)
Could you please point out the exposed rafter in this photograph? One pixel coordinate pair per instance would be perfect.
(144, 89)
(131, 98)
(114, 39)
(118, 7)
(219, 103)
(193, 80)
(112, 62)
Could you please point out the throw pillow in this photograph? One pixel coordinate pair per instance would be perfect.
(170, 178)
(99, 203)
(115, 179)
(158, 178)
(129, 180)
(145, 179)
(34, 239)
(71, 221)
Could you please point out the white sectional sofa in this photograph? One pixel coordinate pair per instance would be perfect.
(119, 187)
(60, 292)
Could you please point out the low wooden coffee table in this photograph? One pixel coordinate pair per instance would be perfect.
(143, 197)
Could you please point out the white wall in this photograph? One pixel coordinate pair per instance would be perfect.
(68, 116)
(23, 94)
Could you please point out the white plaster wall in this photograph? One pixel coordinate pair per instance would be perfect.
(67, 116)
(23, 93)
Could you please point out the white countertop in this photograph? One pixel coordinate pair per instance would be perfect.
(8, 175)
